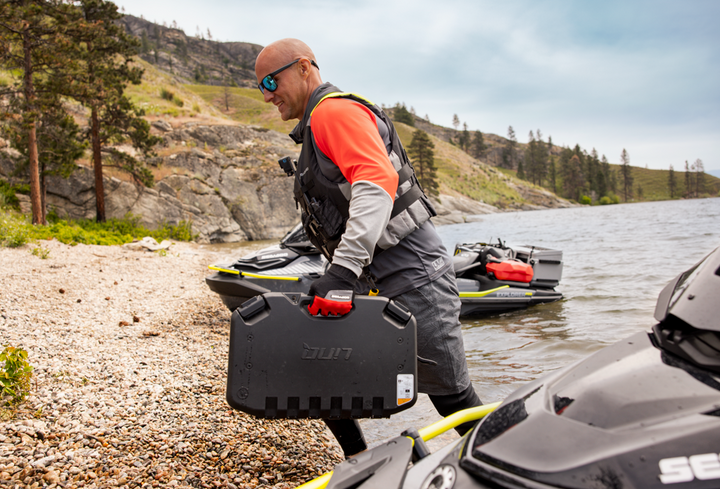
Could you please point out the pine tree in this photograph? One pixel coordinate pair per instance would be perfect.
(464, 138)
(600, 182)
(422, 157)
(455, 121)
(477, 145)
(58, 146)
(593, 164)
(32, 38)
(552, 171)
(573, 178)
(541, 158)
(509, 151)
(609, 174)
(106, 53)
(672, 184)
(401, 114)
(688, 180)
(227, 94)
(144, 43)
(626, 173)
(699, 177)
(536, 167)
(529, 159)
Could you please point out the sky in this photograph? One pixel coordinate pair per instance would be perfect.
(641, 75)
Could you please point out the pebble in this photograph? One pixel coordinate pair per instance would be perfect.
(140, 404)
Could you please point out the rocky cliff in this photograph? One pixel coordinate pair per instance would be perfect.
(194, 59)
(225, 180)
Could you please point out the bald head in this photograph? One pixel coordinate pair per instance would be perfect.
(286, 50)
(295, 83)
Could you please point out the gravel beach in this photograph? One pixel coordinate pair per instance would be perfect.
(129, 349)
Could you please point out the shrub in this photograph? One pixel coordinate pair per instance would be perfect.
(171, 97)
(180, 232)
(605, 200)
(15, 375)
(8, 199)
(14, 230)
(585, 200)
(40, 252)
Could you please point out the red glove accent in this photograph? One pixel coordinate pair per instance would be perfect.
(328, 306)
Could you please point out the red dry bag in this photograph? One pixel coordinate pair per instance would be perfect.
(511, 270)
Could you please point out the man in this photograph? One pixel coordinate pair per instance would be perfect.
(363, 207)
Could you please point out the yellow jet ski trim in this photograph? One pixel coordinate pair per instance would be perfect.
(225, 270)
(427, 433)
(254, 275)
(484, 292)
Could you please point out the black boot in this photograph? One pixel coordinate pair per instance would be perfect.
(348, 434)
(450, 404)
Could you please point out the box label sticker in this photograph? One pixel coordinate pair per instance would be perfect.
(405, 388)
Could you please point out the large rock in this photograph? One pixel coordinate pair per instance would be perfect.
(456, 209)
(223, 179)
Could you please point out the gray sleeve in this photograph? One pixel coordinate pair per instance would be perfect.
(370, 210)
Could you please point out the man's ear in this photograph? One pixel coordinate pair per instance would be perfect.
(304, 67)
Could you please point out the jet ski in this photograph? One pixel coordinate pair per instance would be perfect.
(641, 413)
(498, 278)
(491, 278)
(290, 266)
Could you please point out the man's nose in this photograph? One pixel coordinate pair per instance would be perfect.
(268, 95)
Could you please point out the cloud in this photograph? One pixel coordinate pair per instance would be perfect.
(608, 74)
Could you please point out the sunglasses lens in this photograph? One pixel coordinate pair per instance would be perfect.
(269, 83)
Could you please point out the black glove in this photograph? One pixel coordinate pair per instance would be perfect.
(337, 277)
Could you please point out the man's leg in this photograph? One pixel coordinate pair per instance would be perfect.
(348, 434)
(452, 403)
(436, 307)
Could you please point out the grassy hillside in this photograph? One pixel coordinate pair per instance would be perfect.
(244, 105)
(161, 95)
(654, 184)
(458, 172)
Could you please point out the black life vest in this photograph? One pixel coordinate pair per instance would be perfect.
(324, 205)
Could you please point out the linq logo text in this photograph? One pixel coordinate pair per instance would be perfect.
(317, 353)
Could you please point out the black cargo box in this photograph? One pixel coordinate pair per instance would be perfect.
(285, 363)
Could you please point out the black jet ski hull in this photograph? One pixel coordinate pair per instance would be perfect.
(295, 263)
(643, 413)
(500, 298)
(639, 418)
(235, 289)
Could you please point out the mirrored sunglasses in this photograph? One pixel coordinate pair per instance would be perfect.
(268, 83)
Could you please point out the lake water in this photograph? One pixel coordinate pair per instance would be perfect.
(616, 260)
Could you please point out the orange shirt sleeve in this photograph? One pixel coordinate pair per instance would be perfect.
(346, 132)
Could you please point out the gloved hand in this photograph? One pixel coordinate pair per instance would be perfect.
(336, 279)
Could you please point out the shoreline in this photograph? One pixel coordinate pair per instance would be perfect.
(129, 350)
